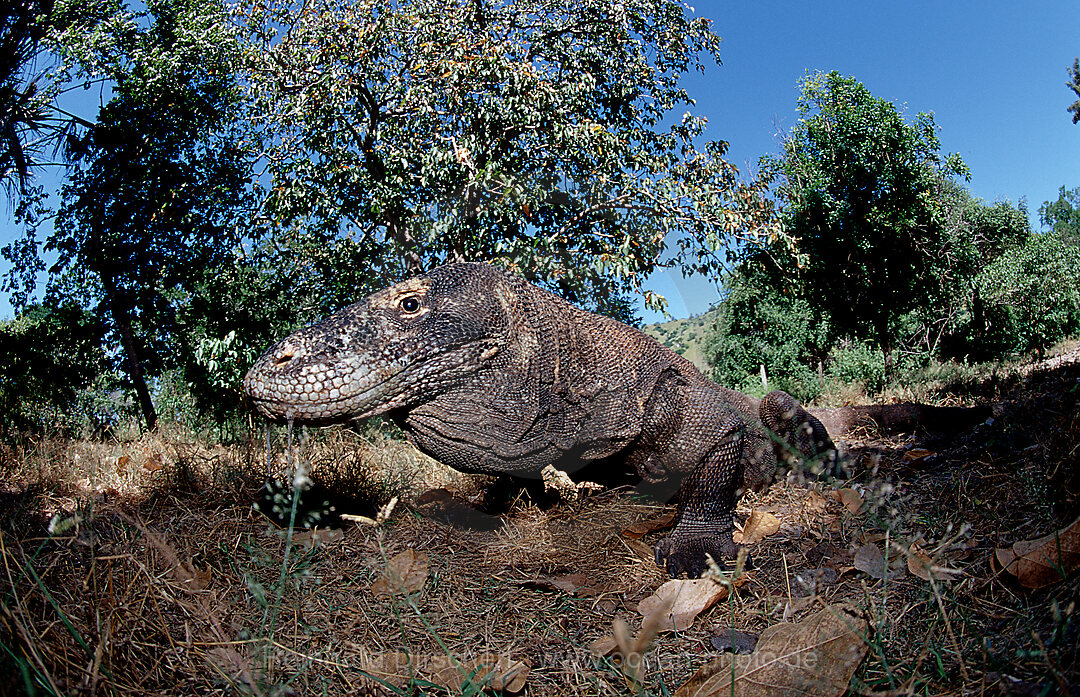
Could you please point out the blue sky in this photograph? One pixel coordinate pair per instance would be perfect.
(993, 73)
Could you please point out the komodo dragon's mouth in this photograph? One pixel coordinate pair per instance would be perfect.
(284, 387)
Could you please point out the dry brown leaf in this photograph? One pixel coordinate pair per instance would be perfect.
(405, 573)
(815, 503)
(734, 641)
(487, 671)
(688, 598)
(870, 560)
(758, 526)
(1043, 561)
(154, 462)
(817, 657)
(851, 499)
(604, 646)
(644, 527)
(309, 539)
(917, 455)
(922, 565)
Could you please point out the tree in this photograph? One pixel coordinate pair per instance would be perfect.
(21, 112)
(1032, 293)
(861, 192)
(151, 207)
(50, 352)
(1063, 215)
(24, 113)
(958, 321)
(400, 135)
(1074, 85)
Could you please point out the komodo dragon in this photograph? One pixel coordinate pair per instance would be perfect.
(490, 374)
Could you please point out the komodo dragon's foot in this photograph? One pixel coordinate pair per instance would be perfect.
(685, 549)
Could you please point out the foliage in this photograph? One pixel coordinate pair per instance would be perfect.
(1033, 293)
(857, 363)
(758, 326)
(539, 135)
(861, 188)
(26, 122)
(1074, 85)
(1063, 215)
(954, 323)
(151, 209)
(52, 354)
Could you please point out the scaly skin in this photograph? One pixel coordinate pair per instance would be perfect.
(488, 373)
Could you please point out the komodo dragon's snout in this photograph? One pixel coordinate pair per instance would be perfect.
(488, 373)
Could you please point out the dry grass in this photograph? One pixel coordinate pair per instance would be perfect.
(140, 568)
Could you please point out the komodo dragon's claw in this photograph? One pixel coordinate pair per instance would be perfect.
(686, 553)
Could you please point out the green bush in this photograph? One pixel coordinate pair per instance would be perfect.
(857, 363)
(1031, 295)
(758, 326)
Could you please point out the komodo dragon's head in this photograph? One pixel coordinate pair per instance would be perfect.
(396, 348)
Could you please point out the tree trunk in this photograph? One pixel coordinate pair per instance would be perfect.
(978, 316)
(399, 232)
(131, 353)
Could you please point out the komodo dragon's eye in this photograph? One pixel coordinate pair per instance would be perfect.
(410, 305)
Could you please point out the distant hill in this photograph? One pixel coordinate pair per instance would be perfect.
(685, 337)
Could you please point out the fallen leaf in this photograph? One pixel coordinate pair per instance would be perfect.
(870, 560)
(154, 462)
(817, 657)
(734, 641)
(758, 526)
(309, 539)
(1043, 561)
(794, 606)
(405, 573)
(604, 646)
(640, 549)
(644, 527)
(919, 455)
(688, 598)
(851, 499)
(920, 564)
(487, 671)
(815, 503)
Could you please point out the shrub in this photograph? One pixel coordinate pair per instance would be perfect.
(857, 362)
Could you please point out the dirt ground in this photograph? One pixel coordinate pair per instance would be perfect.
(142, 568)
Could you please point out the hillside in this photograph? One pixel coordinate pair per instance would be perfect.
(685, 337)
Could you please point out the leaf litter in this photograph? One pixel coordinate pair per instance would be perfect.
(201, 572)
